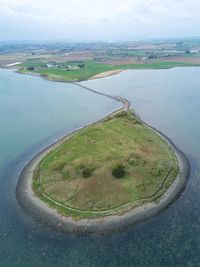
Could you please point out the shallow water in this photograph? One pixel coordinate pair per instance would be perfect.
(33, 112)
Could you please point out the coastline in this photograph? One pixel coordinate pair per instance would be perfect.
(97, 76)
(50, 217)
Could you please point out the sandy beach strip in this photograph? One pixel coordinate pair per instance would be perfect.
(13, 64)
(105, 74)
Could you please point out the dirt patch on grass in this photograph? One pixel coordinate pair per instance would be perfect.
(122, 61)
(191, 60)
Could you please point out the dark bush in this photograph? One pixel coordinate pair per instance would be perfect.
(30, 68)
(81, 65)
(86, 172)
(119, 171)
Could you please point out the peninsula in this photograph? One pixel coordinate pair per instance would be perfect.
(107, 175)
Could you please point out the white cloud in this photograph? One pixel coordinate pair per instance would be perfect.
(99, 19)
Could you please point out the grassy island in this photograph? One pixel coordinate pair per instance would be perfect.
(107, 168)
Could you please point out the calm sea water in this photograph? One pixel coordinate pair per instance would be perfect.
(34, 112)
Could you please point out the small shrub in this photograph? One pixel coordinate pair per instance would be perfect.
(119, 171)
(86, 172)
(30, 68)
(81, 65)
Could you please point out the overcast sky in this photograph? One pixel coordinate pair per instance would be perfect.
(106, 20)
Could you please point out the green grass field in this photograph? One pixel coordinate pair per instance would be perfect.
(90, 69)
(78, 178)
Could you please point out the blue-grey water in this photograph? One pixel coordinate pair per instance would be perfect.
(33, 112)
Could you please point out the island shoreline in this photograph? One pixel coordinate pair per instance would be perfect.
(49, 216)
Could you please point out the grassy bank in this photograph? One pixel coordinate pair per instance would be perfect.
(106, 168)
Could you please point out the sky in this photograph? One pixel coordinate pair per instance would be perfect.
(98, 20)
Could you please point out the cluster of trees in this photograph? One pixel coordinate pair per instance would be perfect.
(81, 65)
(30, 68)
